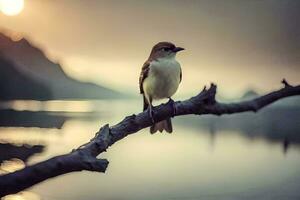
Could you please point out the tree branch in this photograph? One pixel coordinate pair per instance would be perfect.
(84, 157)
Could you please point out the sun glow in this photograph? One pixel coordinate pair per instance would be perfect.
(11, 7)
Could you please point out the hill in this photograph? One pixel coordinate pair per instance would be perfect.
(15, 85)
(22, 59)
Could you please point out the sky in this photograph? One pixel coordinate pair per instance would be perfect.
(237, 44)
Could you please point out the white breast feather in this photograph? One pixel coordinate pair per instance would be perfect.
(163, 78)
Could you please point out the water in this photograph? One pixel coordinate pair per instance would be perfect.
(243, 156)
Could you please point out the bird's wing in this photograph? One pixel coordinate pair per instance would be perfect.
(180, 76)
(143, 75)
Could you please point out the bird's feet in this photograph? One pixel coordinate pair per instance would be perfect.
(151, 114)
(171, 102)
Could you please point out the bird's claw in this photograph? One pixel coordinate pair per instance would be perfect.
(151, 115)
(171, 102)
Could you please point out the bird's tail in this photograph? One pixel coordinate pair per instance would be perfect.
(162, 125)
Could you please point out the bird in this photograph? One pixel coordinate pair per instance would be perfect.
(160, 77)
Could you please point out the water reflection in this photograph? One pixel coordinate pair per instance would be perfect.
(12, 165)
(23, 151)
(23, 196)
(274, 124)
(243, 156)
(40, 119)
(12, 118)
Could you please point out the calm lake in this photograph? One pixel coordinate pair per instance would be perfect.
(241, 156)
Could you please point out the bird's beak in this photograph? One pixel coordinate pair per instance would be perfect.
(178, 49)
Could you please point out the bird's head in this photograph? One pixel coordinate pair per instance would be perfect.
(164, 50)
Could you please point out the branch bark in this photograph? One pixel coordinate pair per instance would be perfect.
(85, 157)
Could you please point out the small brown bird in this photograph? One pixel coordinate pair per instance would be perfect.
(159, 79)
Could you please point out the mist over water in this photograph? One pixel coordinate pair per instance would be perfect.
(244, 156)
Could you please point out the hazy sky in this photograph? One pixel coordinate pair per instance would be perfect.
(238, 44)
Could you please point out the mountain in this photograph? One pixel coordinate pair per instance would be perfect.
(29, 62)
(15, 85)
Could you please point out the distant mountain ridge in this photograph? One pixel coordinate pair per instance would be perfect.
(15, 85)
(22, 59)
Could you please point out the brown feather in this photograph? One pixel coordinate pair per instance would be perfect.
(143, 75)
(160, 46)
(180, 76)
(155, 53)
(161, 126)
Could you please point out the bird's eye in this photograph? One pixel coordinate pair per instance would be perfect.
(166, 49)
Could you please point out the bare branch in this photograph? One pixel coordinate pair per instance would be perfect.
(286, 84)
(84, 157)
